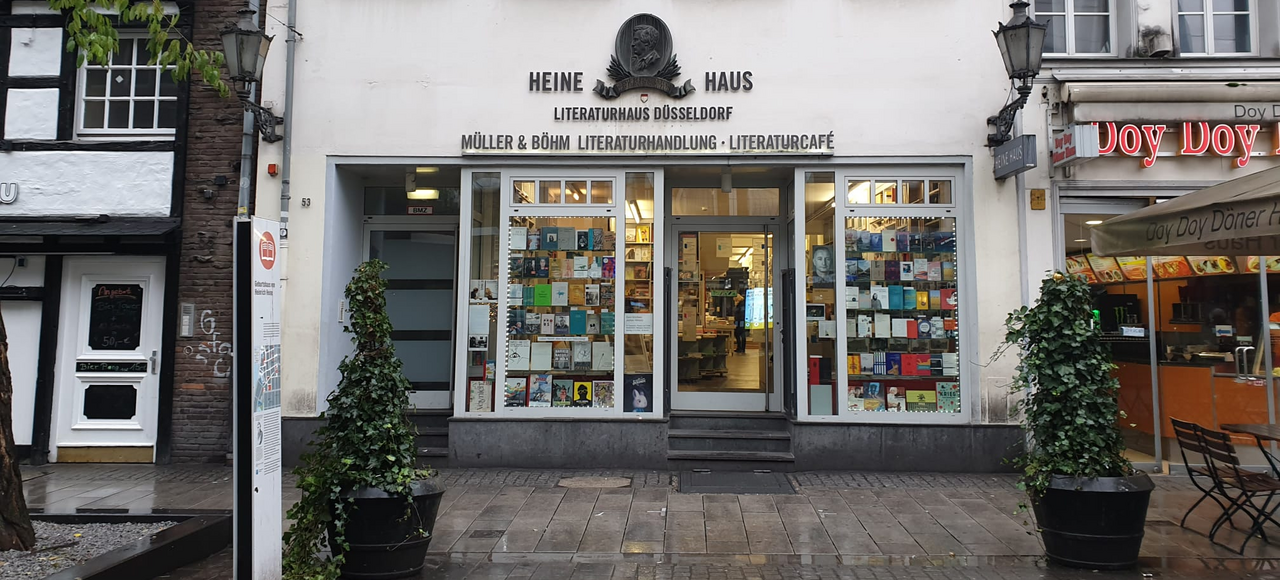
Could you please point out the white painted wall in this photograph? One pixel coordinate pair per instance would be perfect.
(889, 78)
(31, 114)
(22, 323)
(35, 52)
(70, 183)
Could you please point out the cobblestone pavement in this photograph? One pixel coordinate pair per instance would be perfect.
(444, 567)
(496, 523)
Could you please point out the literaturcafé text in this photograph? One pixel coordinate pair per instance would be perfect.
(812, 143)
(1193, 138)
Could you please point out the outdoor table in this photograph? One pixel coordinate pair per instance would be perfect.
(1260, 432)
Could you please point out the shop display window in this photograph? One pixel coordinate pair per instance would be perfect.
(639, 292)
(820, 314)
(901, 315)
(561, 313)
(482, 294)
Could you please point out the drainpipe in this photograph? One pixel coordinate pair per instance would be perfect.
(291, 44)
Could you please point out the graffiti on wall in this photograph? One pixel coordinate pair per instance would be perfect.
(211, 351)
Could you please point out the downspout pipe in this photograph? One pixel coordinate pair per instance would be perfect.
(291, 44)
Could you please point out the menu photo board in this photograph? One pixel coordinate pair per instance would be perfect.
(1105, 268)
(1250, 264)
(1170, 267)
(1134, 268)
(1212, 265)
(1079, 266)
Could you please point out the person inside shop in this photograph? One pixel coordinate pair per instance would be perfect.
(740, 323)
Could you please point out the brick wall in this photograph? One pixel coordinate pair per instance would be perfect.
(202, 381)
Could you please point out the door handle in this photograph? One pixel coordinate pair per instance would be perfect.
(155, 369)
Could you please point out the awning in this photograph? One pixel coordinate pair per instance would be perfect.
(1239, 217)
(100, 226)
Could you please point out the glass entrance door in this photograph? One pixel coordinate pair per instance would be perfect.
(723, 328)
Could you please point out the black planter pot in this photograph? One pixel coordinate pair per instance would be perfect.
(1094, 523)
(382, 542)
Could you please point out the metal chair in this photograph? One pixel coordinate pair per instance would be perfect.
(1224, 466)
(1188, 435)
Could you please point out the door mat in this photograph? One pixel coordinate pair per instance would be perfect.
(738, 482)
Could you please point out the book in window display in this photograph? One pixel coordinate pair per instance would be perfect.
(561, 393)
(516, 392)
(581, 394)
(603, 394)
(540, 390)
(480, 397)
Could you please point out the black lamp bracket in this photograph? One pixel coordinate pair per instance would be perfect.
(263, 119)
(1003, 121)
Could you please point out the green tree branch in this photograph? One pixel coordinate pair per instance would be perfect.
(94, 37)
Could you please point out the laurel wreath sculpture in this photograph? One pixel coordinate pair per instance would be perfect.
(617, 72)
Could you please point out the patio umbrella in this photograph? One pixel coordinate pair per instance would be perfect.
(1238, 217)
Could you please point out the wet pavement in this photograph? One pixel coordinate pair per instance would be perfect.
(521, 524)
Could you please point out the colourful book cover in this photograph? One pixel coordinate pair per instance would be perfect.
(606, 323)
(530, 266)
(606, 295)
(922, 401)
(907, 270)
(949, 298)
(873, 397)
(856, 394)
(922, 300)
(895, 297)
(608, 267)
(602, 394)
(562, 323)
(922, 269)
(548, 324)
(948, 397)
(879, 298)
(935, 299)
(543, 269)
(559, 293)
(577, 294)
(904, 241)
(528, 295)
(610, 239)
(867, 362)
(889, 240)
(592, 295)
(561, 393)
(581, 394)
(550, 237)
(540, 390)
(892, 270)
(895, 398)
(535, 239)
(893, 364)
(851, 269)
(935, 271)
(516, 392)
(948, 271)
(577, 322)
(815, 366)
(909, 300)
(637, 393)
(876, 242)
(913, 330)
(542, 295)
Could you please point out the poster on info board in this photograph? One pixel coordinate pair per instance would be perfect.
(265, 306)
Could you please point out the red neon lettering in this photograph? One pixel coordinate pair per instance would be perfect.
(1223, 140)
(1248, 134)
(1130, 140)
(1275, 138)
(1189, 146)
(1153, 133)
(1110, 146)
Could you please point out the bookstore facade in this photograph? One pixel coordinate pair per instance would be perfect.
(587, 273)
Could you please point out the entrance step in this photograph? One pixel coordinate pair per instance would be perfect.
(728, 440)
(432, 439)
(433, 457)
(685, 460)
(728, 420)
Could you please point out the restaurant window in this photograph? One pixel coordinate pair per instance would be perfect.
(1075, 27)
(1205, 316)
(128, 95)
(1210, 27)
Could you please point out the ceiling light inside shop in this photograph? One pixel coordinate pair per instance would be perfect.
(424, 193)
(428, 169)
(1092, 222)
(1081, 240)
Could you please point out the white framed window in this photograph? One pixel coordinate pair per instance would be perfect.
(128, 97)
(1076, 27)
(1212, 27)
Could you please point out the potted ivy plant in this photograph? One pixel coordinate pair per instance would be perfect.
(362, 496)
(1090, 504)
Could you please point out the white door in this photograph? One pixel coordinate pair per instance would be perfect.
(109, 358)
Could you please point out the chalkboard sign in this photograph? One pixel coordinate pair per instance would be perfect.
(111, 367)
(115, 317)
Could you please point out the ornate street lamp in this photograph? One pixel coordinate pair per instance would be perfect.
(244, 48)
(1021, 43)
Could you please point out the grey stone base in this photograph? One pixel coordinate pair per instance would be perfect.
(914, 447)
(557, 444)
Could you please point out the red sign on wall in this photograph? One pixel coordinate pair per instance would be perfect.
(1195, 138)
